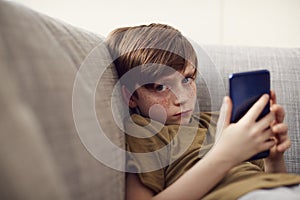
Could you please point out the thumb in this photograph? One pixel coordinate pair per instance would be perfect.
(225, 115)
(228, 110)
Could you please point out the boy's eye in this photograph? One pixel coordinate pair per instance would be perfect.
(187, 79)
(161, 88)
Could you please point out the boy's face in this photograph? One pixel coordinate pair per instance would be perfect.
(171, 100)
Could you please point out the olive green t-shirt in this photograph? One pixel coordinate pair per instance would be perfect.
(163, 153)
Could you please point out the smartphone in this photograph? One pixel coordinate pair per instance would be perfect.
(245, 88)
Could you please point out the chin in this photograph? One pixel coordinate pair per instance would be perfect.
(183, 121)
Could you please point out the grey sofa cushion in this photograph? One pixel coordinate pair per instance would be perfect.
(42, 156)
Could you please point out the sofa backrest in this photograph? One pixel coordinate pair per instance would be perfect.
(42, 155)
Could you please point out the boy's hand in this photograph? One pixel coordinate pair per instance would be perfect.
(275, 161)
(237, 142)
(279, 128)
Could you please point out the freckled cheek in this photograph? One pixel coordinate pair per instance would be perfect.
(192, 90)
(163, 102)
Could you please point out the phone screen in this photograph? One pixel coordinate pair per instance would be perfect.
(245, 89)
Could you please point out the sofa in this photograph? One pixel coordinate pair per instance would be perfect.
(51, 73)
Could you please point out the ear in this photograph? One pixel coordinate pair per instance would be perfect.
(128, 98)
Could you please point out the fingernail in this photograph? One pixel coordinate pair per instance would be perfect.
(225, 104)
(266, 96)
(224, 101)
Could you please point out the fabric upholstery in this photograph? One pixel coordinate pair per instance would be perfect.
(43, 154)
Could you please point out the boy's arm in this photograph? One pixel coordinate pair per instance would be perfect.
(199, 180)
(135, 190)
(194, 184)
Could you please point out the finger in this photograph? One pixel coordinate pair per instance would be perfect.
(220, 123)
(272, 97)
(266, 121)
(279, 112)
(267, 135)
(282, 139)
(225, 115)
(281, 133)
(228, 110)
(274, 139)
(280, 128)
(263, 136)
(256, 109)
(268, 144)
(284, 146)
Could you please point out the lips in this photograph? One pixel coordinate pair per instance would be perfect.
(184, 113)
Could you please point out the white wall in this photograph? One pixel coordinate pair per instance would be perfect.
(231, 22)
(262, 22)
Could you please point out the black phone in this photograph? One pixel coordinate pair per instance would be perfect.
(245, 88)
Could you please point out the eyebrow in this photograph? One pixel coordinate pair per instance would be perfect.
(190, 71)
(186, 72)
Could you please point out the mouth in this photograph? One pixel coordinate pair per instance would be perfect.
(184, 113)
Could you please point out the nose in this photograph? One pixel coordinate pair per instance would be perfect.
(181, 95)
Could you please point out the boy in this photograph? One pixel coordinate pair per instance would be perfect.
(173, 153)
